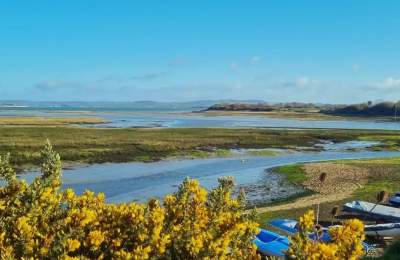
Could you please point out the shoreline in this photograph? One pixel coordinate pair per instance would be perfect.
(359, 179)
(313, 116)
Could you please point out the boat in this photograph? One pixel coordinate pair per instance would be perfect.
(271, 244)
(383, 230)
(290, 227)
(395, 200)
(375, 211)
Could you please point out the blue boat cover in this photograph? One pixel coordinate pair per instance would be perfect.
(271, 244)
(290, 227)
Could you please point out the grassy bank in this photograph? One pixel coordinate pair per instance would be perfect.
(380, 174)
(91, 145)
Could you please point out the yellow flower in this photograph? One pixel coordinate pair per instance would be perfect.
(23, 225)
(72, 245)
(2, 205)
(96, 238)
(307, 221)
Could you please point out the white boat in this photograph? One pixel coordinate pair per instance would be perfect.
(379, 212)
(289, 226)
(395, 200)
(383, 230)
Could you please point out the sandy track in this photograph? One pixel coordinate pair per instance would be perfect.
(339, 184)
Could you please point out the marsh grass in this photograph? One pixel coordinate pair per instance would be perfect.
(93, 145)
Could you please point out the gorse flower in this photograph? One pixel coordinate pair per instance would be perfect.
(346, 241)
(72, 245)
(37, 221)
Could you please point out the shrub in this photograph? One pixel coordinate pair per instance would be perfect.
(40, 221)
(346, 241)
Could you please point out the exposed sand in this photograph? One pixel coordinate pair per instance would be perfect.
(341, 180)
(38, 121)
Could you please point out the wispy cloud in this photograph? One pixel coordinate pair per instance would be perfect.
(148, 77)
(56, 85)
(388, 85)
(300, 82)
(255, 59)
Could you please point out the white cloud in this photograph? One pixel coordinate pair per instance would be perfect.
(255, 59)
(148, 77)
(301, 82)
(390, 84)
(55, 85)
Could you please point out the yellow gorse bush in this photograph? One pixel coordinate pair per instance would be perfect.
(39, 221)
(346, 241)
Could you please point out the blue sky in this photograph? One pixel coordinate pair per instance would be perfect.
(315, 51)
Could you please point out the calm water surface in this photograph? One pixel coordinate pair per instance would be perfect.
(122, 182)
(173, 119)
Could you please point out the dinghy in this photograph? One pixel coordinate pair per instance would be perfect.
(289, 226)
(379, 212)
(395, 200)
(271, 244)
(383, 230)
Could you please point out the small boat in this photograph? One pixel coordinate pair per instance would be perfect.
(383, 230)
(376, 211)
(290, 227)
(271, 244)
(395, 200)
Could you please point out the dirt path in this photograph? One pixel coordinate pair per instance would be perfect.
(341, 180)
(308, 201)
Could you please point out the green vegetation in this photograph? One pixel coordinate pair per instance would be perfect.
(390, 142)
(93, 145)
(388, 109)
(293, 173)
(308, 110)
(384, 175)
(263, 152)
(391, 253)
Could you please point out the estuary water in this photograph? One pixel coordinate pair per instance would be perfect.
(123, 182)
(184, 119)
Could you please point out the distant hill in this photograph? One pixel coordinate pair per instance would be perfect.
(261, 107)
(109, 105)
(365, 109)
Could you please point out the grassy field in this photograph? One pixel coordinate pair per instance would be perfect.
(91, 145)
(383, 174)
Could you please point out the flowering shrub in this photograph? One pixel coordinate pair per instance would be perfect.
(346, 241)
(40, 221)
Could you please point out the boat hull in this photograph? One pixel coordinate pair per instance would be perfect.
(383, 230)
(379, 212)
(271, 244)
